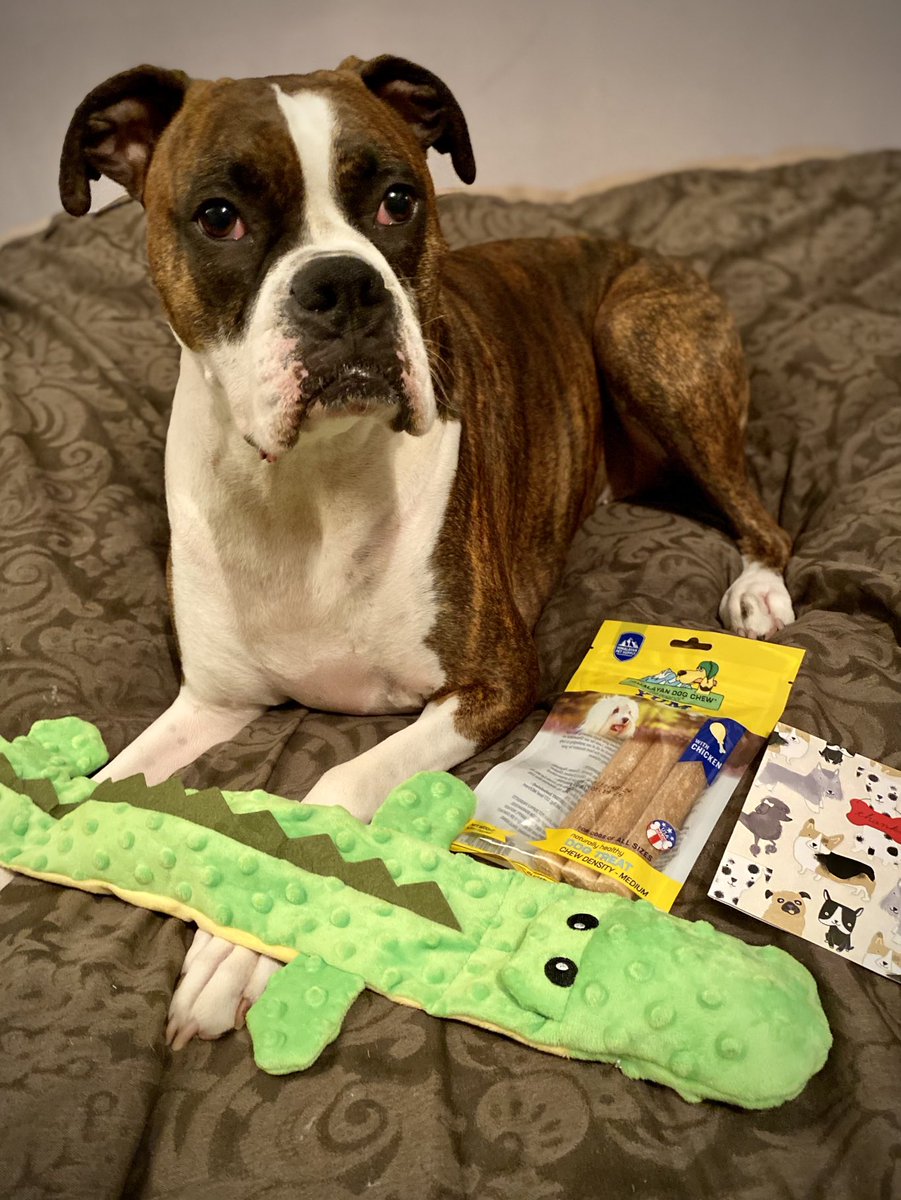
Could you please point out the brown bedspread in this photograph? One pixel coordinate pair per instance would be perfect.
(403, 1105)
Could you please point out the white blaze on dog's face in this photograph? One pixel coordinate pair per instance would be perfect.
(292, 233)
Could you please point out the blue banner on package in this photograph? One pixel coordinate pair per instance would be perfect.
(712, 745)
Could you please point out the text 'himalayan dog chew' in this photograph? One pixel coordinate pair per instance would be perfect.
(379, 450)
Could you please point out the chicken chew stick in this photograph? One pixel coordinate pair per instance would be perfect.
(682, 787)
(603, 792)
(598, 796)
(617, 816)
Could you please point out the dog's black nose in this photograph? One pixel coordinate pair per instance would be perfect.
(341, 293)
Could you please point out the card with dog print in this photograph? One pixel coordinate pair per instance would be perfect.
(817, 850)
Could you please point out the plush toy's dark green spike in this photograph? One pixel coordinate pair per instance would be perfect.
(40, 791)
(260, 831)
(319, 855)
(428, 900)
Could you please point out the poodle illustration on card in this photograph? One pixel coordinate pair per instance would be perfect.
(817, 850)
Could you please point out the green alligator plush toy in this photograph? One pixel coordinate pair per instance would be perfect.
(387, 906)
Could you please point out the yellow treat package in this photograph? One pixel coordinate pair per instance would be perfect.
(621, 787)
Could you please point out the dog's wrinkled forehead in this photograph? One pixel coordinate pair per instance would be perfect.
(255, 133)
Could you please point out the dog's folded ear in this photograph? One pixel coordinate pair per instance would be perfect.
(114, 132)
(425, 103)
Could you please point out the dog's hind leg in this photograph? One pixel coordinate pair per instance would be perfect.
(671, 358)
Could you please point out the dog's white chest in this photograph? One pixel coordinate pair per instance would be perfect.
(342, 626)
(311, 579)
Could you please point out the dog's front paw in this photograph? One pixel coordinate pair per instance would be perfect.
(219, 982)
(356, 786)
(757, 604)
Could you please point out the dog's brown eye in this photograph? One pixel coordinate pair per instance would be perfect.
(398, 205)
(219, 219)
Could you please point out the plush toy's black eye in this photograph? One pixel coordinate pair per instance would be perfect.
(561, 971)
(582, 921)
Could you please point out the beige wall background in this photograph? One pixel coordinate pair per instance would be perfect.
(556, 94)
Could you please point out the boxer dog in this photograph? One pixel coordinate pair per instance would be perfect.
(379, 450)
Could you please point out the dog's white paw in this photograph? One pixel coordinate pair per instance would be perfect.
(353, 786)
(757, 604)
(219, 982)
(5, 877)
